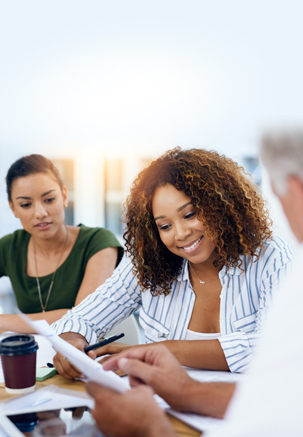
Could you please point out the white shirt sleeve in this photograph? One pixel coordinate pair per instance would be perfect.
(268, 275)
(111, 303)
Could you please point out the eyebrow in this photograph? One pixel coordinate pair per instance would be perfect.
(178, 210)
(43, 195)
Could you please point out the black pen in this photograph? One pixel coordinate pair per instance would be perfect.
(103, 342)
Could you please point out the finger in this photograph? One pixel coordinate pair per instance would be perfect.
(65, 368)
(136, 368)
(71, 369)
(133, 381)
(109, 350)
(120, 372)
(138, 352)
(92, 388)
(97, 391)
(92, 354)
(104, 359)
(111, 363)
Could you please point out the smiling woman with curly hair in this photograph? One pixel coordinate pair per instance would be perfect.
(224, 199)
(203, 265)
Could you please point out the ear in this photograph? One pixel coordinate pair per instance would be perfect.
(11, 205)
(65, 196)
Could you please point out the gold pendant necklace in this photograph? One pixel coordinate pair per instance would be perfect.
(53, 277)
(200, 280)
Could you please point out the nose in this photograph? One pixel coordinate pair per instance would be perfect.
(182, 231)
(40, 210)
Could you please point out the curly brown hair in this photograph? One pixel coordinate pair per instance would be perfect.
(229, 204)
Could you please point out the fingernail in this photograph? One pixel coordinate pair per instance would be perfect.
(122, 362)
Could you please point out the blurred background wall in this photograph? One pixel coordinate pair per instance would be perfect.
(103, 87)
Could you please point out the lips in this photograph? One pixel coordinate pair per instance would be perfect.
(192, 246)
(42, 225)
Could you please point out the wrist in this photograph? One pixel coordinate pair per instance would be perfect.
(210, 399)
(72, 336)
(159, 427)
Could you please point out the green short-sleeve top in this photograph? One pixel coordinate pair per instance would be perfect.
(69, 276)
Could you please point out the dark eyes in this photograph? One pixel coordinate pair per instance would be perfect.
(187, 216)
(28, 204)
(164, 227)
(190, 215)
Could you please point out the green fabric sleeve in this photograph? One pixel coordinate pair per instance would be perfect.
(98, 239)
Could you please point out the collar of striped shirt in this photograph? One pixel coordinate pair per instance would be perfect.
(233, 271)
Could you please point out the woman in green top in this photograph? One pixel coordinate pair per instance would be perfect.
(52, 266)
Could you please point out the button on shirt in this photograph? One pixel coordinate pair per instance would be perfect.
(247, 292)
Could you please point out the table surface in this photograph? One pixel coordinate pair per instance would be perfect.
(181, 428)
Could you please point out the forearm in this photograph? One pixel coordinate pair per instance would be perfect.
(12, 322)
(201, 354)
(160, 427)
(72, 336)
(156, 367)
(209, 399)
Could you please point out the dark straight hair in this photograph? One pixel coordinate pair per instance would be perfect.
(28, 165)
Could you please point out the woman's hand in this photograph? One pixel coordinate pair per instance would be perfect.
(112, 349)
(61, 363)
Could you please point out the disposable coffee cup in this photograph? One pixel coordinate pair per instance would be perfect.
(18, 357)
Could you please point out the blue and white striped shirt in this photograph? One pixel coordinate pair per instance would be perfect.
(245, 298)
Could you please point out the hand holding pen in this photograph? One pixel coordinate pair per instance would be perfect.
(103, 342)
(97, 345)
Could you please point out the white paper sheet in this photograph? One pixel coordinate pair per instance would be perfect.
(46, 399)
(214, 375)
(8, 429)
(92, 370)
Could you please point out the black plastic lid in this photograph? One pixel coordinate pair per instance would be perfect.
(18, 344)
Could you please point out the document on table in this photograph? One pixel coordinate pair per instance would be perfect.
(213, 375)
(46, 399)
(45, 352)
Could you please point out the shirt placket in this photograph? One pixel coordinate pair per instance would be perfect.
(224, 278)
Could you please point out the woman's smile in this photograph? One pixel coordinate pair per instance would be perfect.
(189, 248)
(179, 228)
